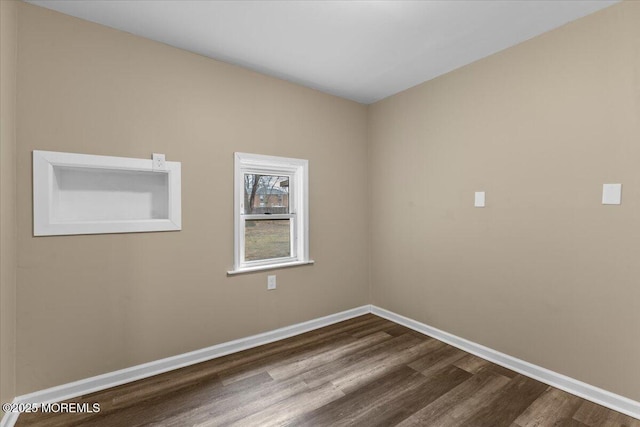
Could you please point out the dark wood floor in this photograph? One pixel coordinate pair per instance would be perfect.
(365, 371)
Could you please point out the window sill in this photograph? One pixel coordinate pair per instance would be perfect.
(269, 267)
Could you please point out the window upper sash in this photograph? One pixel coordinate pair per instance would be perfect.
(267, 216)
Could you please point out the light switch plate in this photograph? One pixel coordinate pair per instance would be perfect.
(611, 194)
(479, 199)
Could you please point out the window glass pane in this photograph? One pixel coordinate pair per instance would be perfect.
(266, 194)
(267, 238)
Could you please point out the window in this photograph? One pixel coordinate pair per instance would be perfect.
(271, 212)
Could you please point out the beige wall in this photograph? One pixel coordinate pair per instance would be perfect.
(8, 52)
(544, 272)
(93, 304)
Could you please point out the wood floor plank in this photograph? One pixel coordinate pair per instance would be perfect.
(263, 364)
(385, 400)
(236, 361)
(471, 363)
(226, 410)
(459, 404)
(358, 361)
(173, 409)
(594, 415)
(366, 371)
(507, 405)
(412, 400)
(373, 328)
(554, 407)
(346, 409)
(286, 409)
(352, 325)
(561, 423)
(160, 406)
(435, 360)
(300, 365)
(377, 367)
(121, 397)
(500, 370)
(398, 330)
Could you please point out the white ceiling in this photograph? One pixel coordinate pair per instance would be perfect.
(360, 50)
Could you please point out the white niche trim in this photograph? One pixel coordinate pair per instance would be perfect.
(87, 194)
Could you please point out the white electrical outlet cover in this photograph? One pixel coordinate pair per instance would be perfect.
(611, 194)
(158, 163)
(271, 282)
(479, 199)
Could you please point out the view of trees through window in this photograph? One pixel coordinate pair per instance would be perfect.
(266, 238)
(266, 194)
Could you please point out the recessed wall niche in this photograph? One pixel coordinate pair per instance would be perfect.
(88, 194)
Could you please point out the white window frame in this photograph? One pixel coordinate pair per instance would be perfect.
(298, 172)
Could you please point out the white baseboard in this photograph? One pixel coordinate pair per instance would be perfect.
(134, 373)
(9, 419)
(586, 391)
